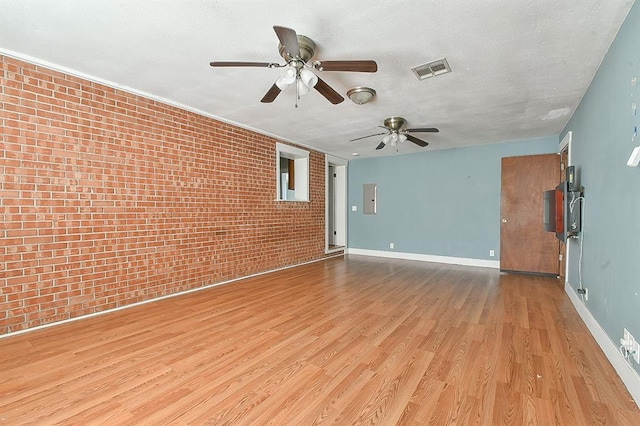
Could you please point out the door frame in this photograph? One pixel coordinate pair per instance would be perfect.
(340, 203)
(565, 145)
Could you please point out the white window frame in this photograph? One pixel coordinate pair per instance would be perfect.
(301, 167)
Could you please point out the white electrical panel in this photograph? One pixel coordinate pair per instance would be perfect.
(370, 194)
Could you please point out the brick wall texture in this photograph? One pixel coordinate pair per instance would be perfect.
(108, 198)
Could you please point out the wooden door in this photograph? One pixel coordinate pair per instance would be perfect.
(524, 244)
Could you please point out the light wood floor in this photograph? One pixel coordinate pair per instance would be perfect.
(344, 341)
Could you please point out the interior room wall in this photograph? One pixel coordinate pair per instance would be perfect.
(108, 198)
(440, 203)
(602, 130)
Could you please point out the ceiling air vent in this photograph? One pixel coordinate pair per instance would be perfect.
(431, 69)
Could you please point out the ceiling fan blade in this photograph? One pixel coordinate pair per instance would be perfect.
(417, 141)
(354, 66)
(423, 129)
(326, 91)
(244, 64)
(289, 39)
(271, 95)
(380, 145)
(364, 137)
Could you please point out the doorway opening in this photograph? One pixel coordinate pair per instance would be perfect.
(336, 205)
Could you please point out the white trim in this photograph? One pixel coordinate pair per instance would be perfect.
(341, 194)
(54, 67)
(335, 250)
(465, 261)
(155, 299)
(336, 161)
(566, 142)
(629, 376)
(292, 150)
(301, 160)
(565, 145)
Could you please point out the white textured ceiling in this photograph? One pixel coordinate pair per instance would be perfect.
(519, 67)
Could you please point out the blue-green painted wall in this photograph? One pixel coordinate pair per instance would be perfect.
(439, 203)
(602, 128)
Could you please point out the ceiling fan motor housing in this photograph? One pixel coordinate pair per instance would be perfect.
(394, 123)
(307, 49)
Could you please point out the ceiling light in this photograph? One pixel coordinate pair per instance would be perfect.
(361, 95)
(402, 138)
(308, 78)
(303, 89)
(287, 78)
(304, 79)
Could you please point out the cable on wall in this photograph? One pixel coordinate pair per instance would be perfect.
(572, 203)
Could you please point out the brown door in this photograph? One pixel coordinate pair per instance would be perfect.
(524, 244)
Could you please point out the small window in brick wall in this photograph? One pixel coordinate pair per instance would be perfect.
(292, 171)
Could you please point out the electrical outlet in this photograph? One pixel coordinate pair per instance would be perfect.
(631, 345)
(391, 245)
(585, 294)
(492, 253)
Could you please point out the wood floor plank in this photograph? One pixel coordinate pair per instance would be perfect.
(349, 340)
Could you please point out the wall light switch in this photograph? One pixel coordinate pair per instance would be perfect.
(354, 208)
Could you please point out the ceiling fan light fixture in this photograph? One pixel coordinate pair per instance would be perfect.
(308, 78)
(298, 51)
(397, 133)
(303, 89)
(287, 78)
(361, 95)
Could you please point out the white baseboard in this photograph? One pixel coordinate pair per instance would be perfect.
(155, 299)
(629, 376)
(427, 258)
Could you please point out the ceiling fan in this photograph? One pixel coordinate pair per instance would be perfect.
(395, 134)
(297, 51)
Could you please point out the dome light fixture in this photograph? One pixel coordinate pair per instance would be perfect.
(361, 95)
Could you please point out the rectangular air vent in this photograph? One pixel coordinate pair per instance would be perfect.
(431, 69)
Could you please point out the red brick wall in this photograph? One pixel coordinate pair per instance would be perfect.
(108, 198)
